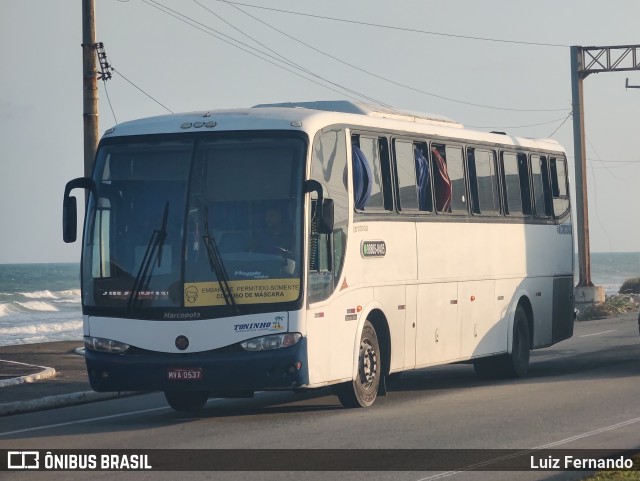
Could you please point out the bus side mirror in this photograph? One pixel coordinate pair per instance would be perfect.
(325, 217)
(69, 219)
(324, 208)
(70, 207)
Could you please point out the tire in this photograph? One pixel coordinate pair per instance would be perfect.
(518, 364)
(186, 401)
(515, 364)
(487, 367)
(363, 390)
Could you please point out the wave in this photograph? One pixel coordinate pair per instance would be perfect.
(41, 328)
(37, 306)
(39, 295)
(8, 309)
(41, 332)
(71, 296)
(69, 293)
(69, 301)
(42, 301)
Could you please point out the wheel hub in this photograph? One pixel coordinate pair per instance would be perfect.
(368, 364)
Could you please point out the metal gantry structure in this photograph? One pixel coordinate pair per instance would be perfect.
(586, 61)
(626, 85)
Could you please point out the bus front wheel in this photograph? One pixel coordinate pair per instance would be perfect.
(363, 390)
(186, 401)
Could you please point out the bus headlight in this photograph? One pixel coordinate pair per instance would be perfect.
(105, 345)
(274, 341)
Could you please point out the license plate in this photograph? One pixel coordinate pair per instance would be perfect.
(184, 374)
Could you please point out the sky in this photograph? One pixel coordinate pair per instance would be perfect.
(514, 85)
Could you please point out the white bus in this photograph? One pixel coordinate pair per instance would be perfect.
(296, 246)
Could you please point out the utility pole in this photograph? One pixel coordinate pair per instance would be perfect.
(89, 85)
(585, 61)
(582, 212)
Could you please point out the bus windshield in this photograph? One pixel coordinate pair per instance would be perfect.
(211, 222)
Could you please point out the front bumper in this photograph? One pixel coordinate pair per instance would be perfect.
(278, 369)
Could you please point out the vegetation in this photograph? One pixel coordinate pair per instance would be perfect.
(631, 286)
(612, 306)
(625, 301)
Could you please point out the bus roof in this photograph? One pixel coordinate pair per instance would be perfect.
(312, 116)
(361, 108)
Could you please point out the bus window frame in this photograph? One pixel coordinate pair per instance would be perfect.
(547, 194)
(465, 177)
(501, 211)
(567, 196)
(425, 143)
(387, 177)
(505, 191)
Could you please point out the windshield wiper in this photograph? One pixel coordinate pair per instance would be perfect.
(156, 243)
(217, 265)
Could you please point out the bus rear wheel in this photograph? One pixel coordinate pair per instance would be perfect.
(518, 362)
(186, 401)
(363, 390)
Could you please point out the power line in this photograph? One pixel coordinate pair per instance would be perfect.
(249, 36)
(399, 84)
(105, 74)
(609, 167)
(148, 95)
(559, 126)
(615, 161)
(403, 29)
(517, 126)
(603, 161)
(252, 51)
(285, 59)
(292, 64)
(106, 91)
(595, 192)
(598, 158)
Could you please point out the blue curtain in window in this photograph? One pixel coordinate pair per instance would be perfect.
(361, 177)
(422, 172)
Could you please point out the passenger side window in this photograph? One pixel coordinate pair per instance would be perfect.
(371, 174)
(559, 190)
(541, 187)
(406, 173)
(516, 181)
(423, 176)
(483, 181)
(449, 182)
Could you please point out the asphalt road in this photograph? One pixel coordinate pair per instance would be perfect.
(581, 393)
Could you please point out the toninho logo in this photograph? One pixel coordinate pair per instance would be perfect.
(275, 325)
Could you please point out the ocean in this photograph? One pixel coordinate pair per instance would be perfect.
(41, 302)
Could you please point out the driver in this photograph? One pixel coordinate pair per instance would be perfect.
(274, 235)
